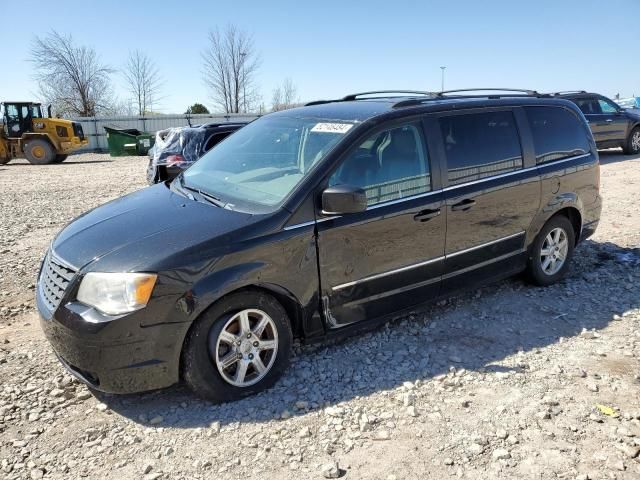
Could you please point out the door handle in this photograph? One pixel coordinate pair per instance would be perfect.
(463, 206)
(426, 215)
(609, 120)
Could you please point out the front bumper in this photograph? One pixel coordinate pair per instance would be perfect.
(121, 356)
(73, 143)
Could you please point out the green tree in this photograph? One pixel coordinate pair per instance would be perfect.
(197, 108)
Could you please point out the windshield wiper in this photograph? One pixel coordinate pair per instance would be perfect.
(212, 199)
(207, 196)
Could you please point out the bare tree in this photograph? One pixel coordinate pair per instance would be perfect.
(285, 96)
(143, 81)
(71, 77)
(230, 67)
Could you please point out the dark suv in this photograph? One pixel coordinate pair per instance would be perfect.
(314, 222)
(612, 125)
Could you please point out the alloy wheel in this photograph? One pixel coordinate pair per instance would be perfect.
(554, 251)
(245, 349)
(635, 141)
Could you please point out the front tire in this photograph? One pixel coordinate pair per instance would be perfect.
(633, 142)
(237, 348)
(39, 152)
(60, 158)
(551, 252)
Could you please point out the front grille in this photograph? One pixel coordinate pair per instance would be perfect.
(54, 280)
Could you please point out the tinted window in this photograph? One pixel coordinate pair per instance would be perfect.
(480, 145)
(607, 107)
(388, 165)
(557, 133)
(589, 106)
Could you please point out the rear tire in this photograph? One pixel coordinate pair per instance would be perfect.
(632, 146)
(551, 252)
(60, 158)
(4, 161)
(217, 368)
(39, 152)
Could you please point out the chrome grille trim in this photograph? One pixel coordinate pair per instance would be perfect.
(53, 282)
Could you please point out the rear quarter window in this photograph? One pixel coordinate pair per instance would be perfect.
(557, 133)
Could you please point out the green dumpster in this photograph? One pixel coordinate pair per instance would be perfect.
(128, 141)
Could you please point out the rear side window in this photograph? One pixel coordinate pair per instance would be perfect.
(480, 145)
(589, 106)
(557, 133)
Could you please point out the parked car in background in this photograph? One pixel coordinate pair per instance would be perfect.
(612, 125)
(317, 222)
(632, 103)
(177, 148)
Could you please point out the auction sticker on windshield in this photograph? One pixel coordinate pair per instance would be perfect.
(332, 127)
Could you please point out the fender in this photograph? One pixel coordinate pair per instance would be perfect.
(552, 206)
(286, 269)
(43, 136)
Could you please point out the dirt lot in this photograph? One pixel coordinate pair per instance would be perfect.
(502, 382)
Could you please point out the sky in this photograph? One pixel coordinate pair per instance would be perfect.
(333, 48)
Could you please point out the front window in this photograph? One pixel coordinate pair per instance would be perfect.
(261, 164)
(388, 165)
(607, 107)
(589, 106)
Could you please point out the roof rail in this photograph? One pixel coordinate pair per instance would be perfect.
(514, 90)
(354, 96)
(511, 92)
(568, 92)
(320, 102)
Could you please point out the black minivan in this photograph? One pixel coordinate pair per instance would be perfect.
(314, 222)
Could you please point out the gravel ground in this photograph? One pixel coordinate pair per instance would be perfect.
(508, 381)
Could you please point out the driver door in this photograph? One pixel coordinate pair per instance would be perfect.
(390, 256)
(613, 121)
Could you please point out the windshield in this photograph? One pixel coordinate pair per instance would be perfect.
(263, 162)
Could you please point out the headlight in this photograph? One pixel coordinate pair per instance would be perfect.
(116, 293)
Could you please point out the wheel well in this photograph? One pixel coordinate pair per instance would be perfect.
(30, 137)
(290, 304)
(573, 214)
(286, 299)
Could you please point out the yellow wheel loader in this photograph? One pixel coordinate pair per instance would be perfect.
(26, 132)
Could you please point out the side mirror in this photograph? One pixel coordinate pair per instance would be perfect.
(341, 199)
(49, 111)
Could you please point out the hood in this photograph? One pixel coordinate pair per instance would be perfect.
(634, 113)
(137, 231)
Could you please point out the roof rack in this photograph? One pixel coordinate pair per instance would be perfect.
(320, 102)
(355, 96)
(513, 90)
(568, 92)
(509, 92)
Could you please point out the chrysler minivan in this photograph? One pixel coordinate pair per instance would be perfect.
(315, 222)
